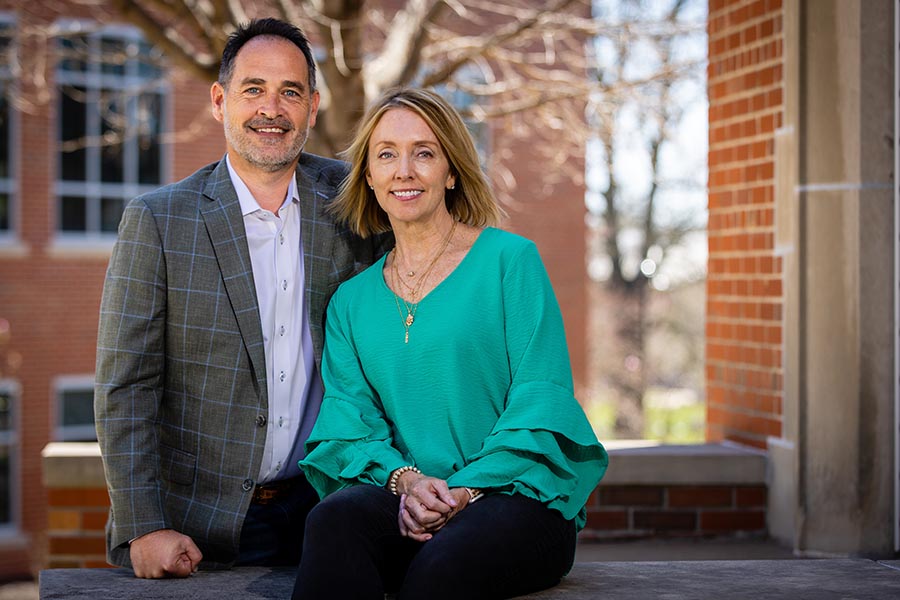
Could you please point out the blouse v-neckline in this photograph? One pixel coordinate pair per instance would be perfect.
(441, 283)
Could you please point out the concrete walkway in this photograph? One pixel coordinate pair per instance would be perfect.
(824, 579)
(681, 549)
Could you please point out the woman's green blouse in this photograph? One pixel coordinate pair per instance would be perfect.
(481, 394)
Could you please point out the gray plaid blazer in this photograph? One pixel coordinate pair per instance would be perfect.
(181, 374)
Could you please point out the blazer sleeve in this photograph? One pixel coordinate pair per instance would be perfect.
(129, 375)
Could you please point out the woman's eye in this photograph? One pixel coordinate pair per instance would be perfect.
(385, 154)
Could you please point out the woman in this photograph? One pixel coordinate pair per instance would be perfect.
(453, 459)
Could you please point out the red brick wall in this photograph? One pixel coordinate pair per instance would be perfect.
(51, 297)
(744, 374)
(75, 536)
(636, 511)
(76, 521)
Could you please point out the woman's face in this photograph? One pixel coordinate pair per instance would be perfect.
(408, 169)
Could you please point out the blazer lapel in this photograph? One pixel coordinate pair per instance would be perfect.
(225, 225)
(318, 234)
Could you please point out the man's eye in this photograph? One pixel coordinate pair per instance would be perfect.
(292, 93)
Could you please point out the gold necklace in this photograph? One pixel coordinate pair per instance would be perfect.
(413, 306)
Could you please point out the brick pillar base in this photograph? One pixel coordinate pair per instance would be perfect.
(77, 506)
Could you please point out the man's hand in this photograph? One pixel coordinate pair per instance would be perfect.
(164, 553)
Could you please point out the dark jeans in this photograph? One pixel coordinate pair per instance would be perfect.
(498, 547)
(272, 534)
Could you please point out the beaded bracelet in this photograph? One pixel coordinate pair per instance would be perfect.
(395, 477)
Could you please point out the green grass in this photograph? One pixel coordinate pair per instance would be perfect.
(670, 417)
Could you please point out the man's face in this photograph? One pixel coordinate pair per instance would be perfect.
(267, 108)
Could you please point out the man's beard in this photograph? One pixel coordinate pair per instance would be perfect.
(268, 159)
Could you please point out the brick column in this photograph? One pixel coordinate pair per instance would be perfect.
(77, 506)
(744, 373)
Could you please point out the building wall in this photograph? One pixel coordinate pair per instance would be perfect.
(744, 335)
(50, 293)
(801, 234)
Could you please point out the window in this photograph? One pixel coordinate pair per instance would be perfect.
(112, 114)
(8, 446)
(75, 409)
(7, 183)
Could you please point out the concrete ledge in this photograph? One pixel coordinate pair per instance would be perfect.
(830, 579)
(78, 464)
(644, 463)
(73, 465)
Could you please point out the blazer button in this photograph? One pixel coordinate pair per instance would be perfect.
(261, 421)
(247, 485)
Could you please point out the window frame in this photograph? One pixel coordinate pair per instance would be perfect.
(10, 185)
(93, 188)
(71, 433)
(12, 439)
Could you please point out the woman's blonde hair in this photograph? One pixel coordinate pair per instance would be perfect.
(471, 201)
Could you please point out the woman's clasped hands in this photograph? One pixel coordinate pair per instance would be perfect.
(427, 504)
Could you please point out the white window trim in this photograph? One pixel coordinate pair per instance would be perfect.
(62, 384)
(98, 243)
(12, 439)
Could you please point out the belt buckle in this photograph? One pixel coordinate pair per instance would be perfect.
(269, 492)
(264, 495)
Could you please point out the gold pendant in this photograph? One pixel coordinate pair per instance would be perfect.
(409, 319)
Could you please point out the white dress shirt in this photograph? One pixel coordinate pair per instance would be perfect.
(276, 254)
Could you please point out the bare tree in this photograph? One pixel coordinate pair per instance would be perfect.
(655, 61)
(509, 55)
(521, 65)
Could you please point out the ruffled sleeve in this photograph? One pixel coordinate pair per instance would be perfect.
(542, 446)
(351, 441)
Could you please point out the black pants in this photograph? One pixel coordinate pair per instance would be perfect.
(498, 547)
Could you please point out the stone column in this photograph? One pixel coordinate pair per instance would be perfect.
(832, 470)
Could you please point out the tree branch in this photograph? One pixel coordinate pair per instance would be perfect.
(505, 34)
(185, 55)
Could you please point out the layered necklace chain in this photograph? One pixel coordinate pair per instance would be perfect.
(412, 305)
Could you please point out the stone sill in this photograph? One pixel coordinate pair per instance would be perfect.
(13, 541)
(639, 462)
(73, 465)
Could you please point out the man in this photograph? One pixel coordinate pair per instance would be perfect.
(211, 333)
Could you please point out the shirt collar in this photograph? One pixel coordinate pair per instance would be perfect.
(248, 203)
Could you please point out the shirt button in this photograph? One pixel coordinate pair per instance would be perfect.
(284, 284)
(281, 376)
(281, 421)
(261, 421)
(281, 330)
(281, 239)
(247, 485)
(278, 466)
